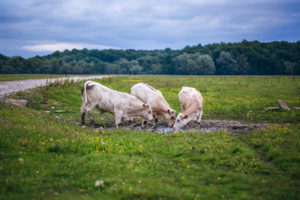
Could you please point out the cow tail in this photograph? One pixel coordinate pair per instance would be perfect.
(84, 91)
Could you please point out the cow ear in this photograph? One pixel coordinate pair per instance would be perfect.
(184, 116)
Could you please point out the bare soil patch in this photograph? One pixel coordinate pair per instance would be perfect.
(205, 126)
(216, 125)
(227, 125)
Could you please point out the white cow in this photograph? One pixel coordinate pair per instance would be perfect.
(191, 102)
(157, 102)
(122, 105)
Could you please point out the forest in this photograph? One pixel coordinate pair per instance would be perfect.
(242, 58)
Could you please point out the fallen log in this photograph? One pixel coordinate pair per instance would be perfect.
(283, 105)
(271, 108)
(15, 102)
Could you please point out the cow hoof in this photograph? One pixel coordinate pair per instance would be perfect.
(198, 125)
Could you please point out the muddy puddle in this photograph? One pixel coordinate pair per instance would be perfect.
(205, 126)
(226, 125)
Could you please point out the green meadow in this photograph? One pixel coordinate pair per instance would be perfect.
(45, 153)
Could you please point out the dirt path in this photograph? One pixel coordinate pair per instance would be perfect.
(7, 87)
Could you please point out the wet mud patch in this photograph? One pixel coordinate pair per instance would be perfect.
(216, 125)
(226, 125)
(205, 126)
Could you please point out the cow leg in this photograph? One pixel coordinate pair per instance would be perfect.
(144, 124)
(91, 118)
(199, 118)
(118, 118)
(82, 110)
(89, 110)
(82, 118)
(155, 122)
(132, 122)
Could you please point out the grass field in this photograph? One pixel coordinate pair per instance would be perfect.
(48, 155)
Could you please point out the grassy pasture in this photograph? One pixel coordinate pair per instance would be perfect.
(48, 155)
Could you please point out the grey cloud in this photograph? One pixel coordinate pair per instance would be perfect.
(147, 24)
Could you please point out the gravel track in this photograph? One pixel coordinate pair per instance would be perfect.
(7, 87)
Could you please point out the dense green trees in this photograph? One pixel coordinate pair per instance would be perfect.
(194, 64)
(226, 64)
(253, 58)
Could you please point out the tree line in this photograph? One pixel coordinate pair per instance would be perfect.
(243, 58)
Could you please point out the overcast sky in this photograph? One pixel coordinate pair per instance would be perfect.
(39, 27)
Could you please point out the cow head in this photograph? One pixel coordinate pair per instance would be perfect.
(170, 117)
(180, 121)
(147, 112)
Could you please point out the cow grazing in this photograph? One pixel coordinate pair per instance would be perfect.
(157, 102)
(191, 103)
(122, 105)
